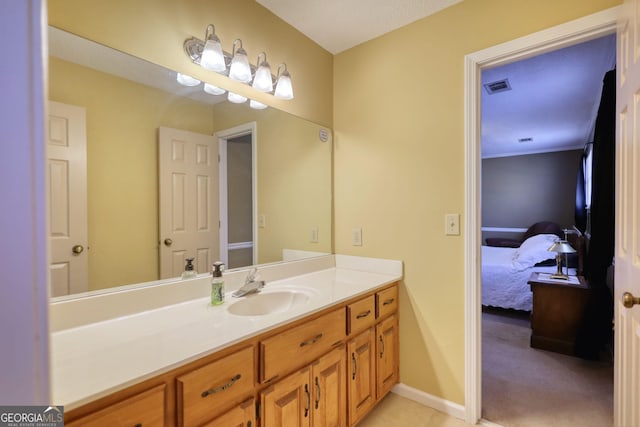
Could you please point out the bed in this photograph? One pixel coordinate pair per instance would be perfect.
(505, 271)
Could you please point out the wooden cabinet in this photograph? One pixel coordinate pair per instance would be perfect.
(361, 375)
(387, 353)
(302, 344)
(207, 391)
(328, 370)
(315, 395)
(144, 409)
(243, 415)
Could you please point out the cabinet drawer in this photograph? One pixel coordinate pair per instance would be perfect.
(300, 345)
(206, 392)
(386, 301)
(146, 409)
(361, 314)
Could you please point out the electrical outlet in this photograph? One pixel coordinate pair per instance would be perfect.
(314, 235)
(452, 224)
(356, 237)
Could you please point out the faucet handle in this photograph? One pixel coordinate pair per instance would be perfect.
(251, 275)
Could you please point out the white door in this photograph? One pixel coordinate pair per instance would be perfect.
(67, 197)
(188, 201)
(627, 259)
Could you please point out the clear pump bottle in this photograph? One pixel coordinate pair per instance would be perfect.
(217, 284)
(189, 271)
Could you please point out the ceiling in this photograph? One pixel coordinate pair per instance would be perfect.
(553, 99)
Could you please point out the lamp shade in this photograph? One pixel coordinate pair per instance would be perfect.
(212, 56)
(262, 80)
(235, 98)
(239, 69)
(284, 89)
(213, 90)
(187, 80)
(562, 247)
(257, 105)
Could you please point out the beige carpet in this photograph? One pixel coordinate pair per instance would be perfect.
(525, 387)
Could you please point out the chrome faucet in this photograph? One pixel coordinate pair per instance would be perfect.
(251, 285)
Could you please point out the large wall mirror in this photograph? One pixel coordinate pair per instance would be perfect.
(277, 205)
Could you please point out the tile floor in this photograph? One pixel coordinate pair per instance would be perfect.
(397, 411)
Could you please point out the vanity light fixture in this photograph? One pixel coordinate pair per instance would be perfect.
(213, 90)
(186, 80)
(257, 105)
(235, 98)
(239, 69)
(210, 55)
(262, 80)
(284, 89)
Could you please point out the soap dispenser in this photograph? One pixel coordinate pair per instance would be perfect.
(217, 284)
(189, 271)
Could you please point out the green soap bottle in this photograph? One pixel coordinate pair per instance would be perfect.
(217, 284)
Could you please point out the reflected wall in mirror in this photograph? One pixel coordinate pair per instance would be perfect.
(123, 117)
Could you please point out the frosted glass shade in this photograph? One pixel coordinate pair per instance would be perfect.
(284, 89)
(212, 57)
(213, 90)
(262, 80)
(257, 105)
(239, 69)
(235, 98)
(186, 80)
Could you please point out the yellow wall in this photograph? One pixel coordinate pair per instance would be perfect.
(294, 176)
(156, 29)
(122, 129)
(399, 141)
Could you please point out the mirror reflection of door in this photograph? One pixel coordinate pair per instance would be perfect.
(67, 197)
(238, 244)
(188, 177)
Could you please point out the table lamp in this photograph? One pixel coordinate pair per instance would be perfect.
(561, 247)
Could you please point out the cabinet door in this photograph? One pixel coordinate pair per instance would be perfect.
(329, 397)
(361, 375)
(386, 355)
(243, 415)
(287, 403)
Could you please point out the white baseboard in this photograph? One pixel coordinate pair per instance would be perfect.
(426, 399)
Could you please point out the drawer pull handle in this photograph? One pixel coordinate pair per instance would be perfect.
(381, 346)
(222, 387)
(317, 393)
(311, 341)
(363, 314)
(389, 301)
(355, 365)
(306, 390)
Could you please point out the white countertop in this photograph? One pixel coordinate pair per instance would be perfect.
(99, 358)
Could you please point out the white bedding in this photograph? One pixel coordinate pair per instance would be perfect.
(504, 281)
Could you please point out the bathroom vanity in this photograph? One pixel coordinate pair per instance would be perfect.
(317, 348)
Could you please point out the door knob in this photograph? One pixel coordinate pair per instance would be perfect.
(628, 300)
(77, 249)
(168, 242)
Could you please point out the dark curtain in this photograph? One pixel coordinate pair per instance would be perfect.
(596, 330)
(580, 217)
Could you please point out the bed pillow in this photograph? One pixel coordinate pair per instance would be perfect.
(534, 250)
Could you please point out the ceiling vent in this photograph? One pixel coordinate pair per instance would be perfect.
(497, 86)
(525, 139)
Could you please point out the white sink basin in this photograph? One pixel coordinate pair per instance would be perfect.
(264, 303)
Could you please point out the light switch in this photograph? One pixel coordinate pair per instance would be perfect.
(314, 235)
(356, 237)
(452, 224)
(262, 221)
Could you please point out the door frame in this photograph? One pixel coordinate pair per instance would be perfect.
(580, 30)
(223, 136)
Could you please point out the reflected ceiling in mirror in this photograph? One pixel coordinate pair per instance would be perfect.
(125, 102)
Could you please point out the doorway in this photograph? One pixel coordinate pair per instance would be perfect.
(238, 196)
(597, 25)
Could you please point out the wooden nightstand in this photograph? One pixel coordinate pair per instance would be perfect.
(558, 308)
